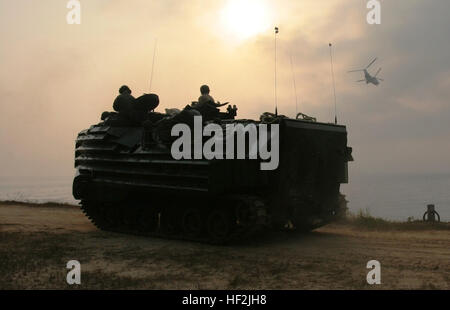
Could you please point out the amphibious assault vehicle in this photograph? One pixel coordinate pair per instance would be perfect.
(128, 180)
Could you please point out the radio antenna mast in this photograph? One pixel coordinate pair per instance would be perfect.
(334, 85)
(153, 64)
(295, 86)
(276, 103)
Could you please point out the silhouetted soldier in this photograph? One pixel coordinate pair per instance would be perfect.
(205, 96)
(123, 102)
(206, 104)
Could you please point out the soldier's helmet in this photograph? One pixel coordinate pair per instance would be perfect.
(124, 89)
(204, 89)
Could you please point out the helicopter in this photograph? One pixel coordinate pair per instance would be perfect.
(375, 80)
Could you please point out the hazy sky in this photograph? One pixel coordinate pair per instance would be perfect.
(56, 79)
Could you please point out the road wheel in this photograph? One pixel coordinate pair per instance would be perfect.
(192, 222)
(219, 226)
(170, 223)
(109, 216)
(147, 220)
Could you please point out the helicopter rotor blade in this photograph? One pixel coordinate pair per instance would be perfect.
(377, 72)
(371, 63)
(360, 81)
(355, 71)
(380, 79)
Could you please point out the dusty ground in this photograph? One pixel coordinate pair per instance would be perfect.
(36, 242)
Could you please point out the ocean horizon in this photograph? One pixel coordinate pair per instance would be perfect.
(392, 197)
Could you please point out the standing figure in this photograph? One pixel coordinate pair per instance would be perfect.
(123, 102)
(205, 96)
(206, 105)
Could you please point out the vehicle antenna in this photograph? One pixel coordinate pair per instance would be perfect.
(334, 85)
(275, 80)
(153, 64)
(295, 86)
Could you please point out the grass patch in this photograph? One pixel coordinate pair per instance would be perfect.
(35, 260)
(364, 220)
(37, 204)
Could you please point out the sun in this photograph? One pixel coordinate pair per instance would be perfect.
(245, 18)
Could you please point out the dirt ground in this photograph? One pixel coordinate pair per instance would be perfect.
(36, 242)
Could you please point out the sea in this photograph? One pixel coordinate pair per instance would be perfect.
(392, 197)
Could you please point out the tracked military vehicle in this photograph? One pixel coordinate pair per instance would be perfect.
(128, 181)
